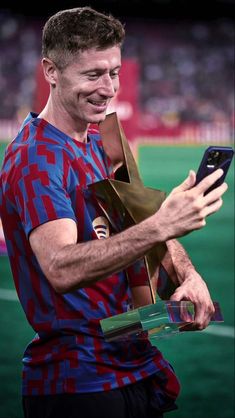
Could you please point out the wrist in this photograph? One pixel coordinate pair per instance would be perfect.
(156, 231)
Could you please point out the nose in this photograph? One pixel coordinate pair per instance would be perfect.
(108, 86)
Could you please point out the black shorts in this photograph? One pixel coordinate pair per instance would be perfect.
(132, 401)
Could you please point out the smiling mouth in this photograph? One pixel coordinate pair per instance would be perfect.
(102, 103)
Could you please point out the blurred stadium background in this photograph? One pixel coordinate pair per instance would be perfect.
(177, 97)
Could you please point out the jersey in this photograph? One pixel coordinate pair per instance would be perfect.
(45, 176)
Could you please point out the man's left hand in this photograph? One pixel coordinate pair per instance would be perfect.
(194, 289)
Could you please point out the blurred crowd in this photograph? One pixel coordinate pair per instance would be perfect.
(187, 69)
(20, 53)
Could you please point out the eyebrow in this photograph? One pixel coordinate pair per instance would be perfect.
(98, 69)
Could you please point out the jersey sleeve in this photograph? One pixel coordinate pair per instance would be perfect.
(41, 187)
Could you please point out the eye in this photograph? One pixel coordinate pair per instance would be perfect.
(114, 74)
(93, 76)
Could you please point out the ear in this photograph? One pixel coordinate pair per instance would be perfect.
(50, 71)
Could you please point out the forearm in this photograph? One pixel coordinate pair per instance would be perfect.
(177, 261)
(82, 264)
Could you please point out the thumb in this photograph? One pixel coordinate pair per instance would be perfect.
(187, 184)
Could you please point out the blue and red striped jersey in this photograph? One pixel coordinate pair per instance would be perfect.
(45, 176)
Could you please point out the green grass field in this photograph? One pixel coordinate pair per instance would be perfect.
(203, 361)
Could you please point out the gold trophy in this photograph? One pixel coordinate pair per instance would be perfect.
(125, 200)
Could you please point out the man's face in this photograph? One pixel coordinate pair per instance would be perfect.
(86, 86)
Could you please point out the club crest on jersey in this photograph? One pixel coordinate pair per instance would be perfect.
(101, 227)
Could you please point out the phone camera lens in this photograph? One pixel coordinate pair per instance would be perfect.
(213, 158)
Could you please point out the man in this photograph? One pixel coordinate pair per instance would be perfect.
(68, 280)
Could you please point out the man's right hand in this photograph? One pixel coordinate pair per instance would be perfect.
(186, 207)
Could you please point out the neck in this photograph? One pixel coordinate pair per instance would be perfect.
(62, 121)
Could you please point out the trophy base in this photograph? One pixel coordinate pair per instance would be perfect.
(159, 320)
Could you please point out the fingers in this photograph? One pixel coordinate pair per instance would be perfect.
(202, 318)
(214, 207)
(187, 184)
(208, 181)
(215, 194)
(201, 187)
(213, 201)
(203, 314)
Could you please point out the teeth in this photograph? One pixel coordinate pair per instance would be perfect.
(98, 103)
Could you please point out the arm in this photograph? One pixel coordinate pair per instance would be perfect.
(69, 265)
(181, 263)
(191, 286)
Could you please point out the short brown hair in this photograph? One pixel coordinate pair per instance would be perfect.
(70, 31)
